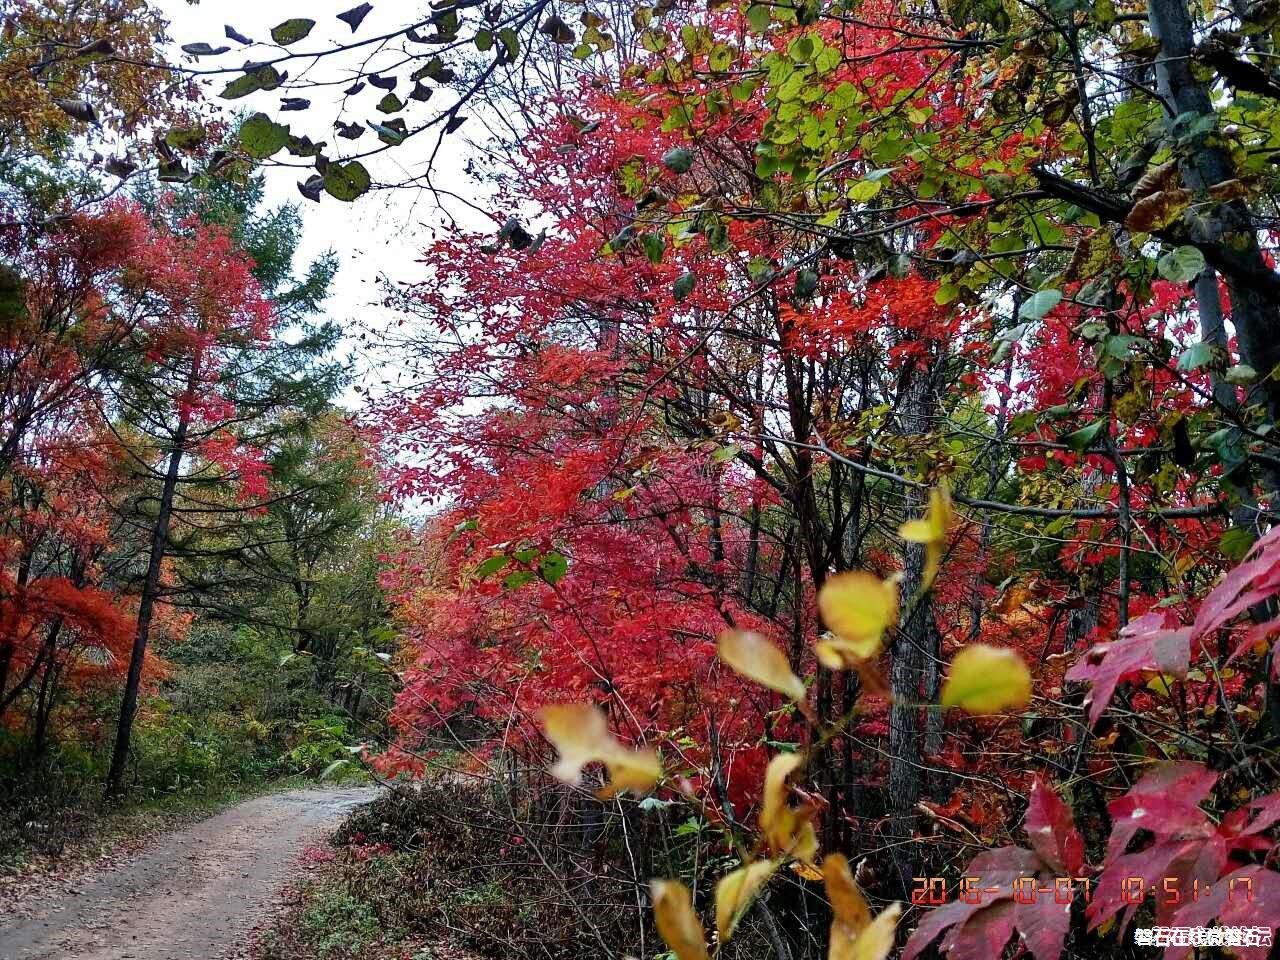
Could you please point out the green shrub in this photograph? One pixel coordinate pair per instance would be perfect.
(338, 925)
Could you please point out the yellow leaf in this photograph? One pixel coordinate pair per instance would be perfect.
(787, 829)
(985, 680)
(848, 904)
(933, 527)
(854, 935)
(1157, 178)
(634, 770)
(757, 659)
(917, 531)
(857, 607)
(1162, 684)
(676, 921)
(806, 871)
(931, 530)
(1013, 600)
(725, 422)
(580, 734)
(877, 941)
(736, 891)
(1157, 210)
(1228, 190)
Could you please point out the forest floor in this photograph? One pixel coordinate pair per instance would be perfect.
(195, 894)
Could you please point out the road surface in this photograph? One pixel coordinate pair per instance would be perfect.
(193, 895)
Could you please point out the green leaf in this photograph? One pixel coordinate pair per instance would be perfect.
(355, 16)
(203, 49)
(1120, 345)
(491, 566)
(390, 104)
(392, 133)
(291, 31)
(806, 284)
(1038, 305)
(1014, 333)
(346, 181)
(303, 147)
(552, 567)
(434, 69)
(264, 78)
(720, 58)
(801, 49)
(1195, 356)
(725, 453)
(864, 190)
(514, 581)
(261, 137)
(1241, 375)
(758, 17)
(678, 159)
(655, 244)
(484, 40)
(1181, 264)
(622, 239)
(1022, 422)
(185, 138)
(684, 285)
(510, 42)
(173, 171)
(1236, 543)
(1080, 440)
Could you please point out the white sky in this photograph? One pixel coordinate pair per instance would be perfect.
(384, 231)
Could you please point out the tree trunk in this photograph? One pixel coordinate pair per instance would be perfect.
(995, 460)
(146, 608)
(912, 645)
(1230, 226)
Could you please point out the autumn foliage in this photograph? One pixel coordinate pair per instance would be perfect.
(746, 301)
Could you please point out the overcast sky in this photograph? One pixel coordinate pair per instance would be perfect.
(383, 232)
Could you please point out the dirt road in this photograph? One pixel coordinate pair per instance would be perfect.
(194, 895)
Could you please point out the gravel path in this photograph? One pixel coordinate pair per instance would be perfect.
(194, 895)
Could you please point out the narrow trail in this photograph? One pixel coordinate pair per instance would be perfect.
(194, 895)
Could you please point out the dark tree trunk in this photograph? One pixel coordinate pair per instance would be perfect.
(146, 608)
(1227, 226)
(913, 644)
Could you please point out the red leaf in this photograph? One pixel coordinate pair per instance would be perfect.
(976, 925)
(1169, 794)
(1044, 924)
(1265, 813)
(1229, 903)
(1052, 832)
(1186, 845)
(984, 934)
(1145, 644)
(1230, 598)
